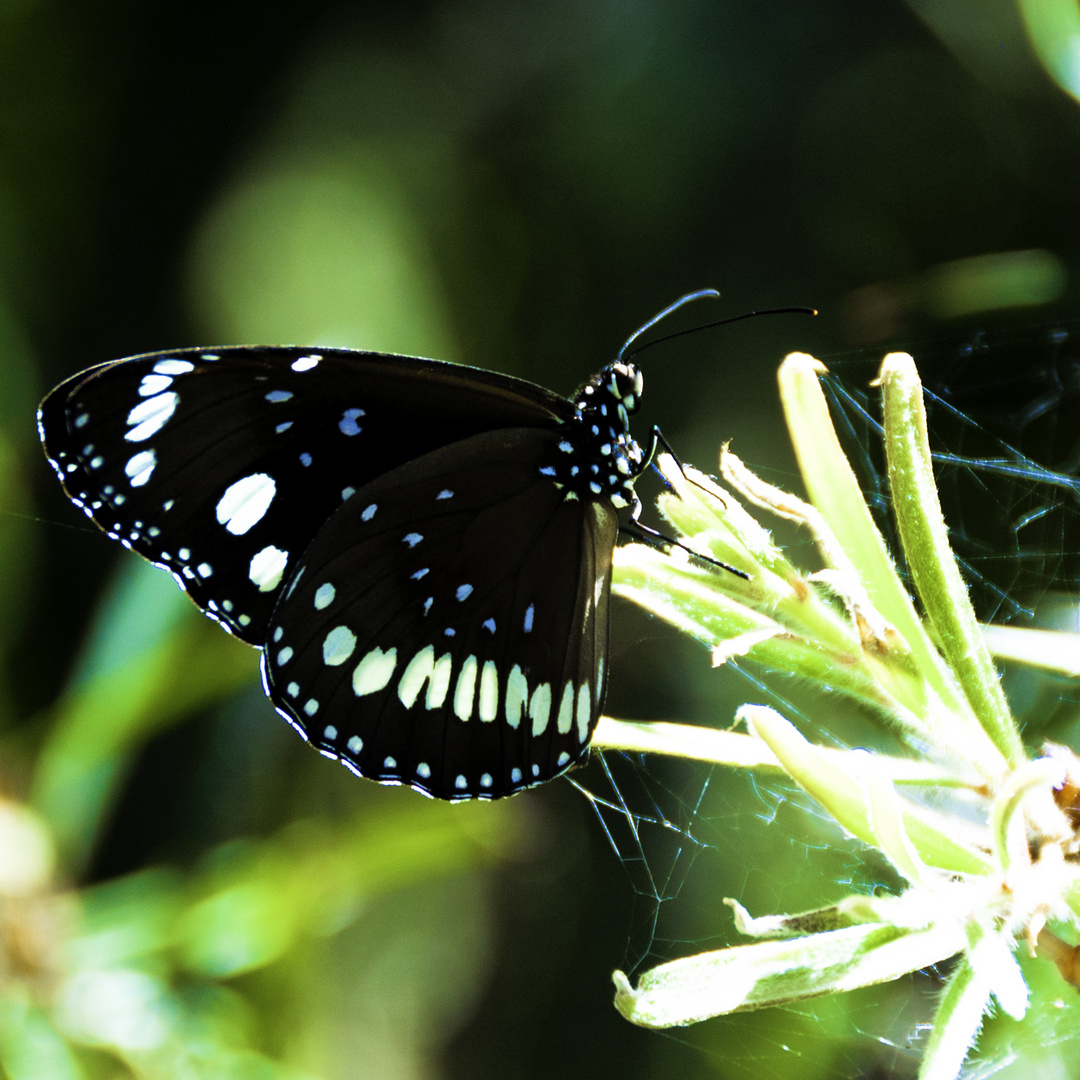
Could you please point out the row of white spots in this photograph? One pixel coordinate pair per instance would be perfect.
(475, 691)
(150, 416)
(389, 770)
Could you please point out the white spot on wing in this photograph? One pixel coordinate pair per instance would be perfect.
(517, 696)
(416, 674)
(489, 691)
(566, 709)
(540, 708)
(324, 596)
(338, 646)
(140, 466)
(439, 685)
(174, 367)
(267, 568)
(150, 416)
(374, 673)
(245, 502)
(154, 384)
(584, 712)
(275, 397)
(306, 363)
(465, 689)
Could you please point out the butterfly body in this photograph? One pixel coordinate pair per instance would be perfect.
(421, 550)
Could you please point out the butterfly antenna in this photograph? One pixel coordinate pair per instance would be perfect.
(623, 355)
(688, 298)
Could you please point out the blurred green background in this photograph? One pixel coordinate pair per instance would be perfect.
(185, 889)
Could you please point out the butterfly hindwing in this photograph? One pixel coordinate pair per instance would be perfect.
(447, 627)
(222, 465)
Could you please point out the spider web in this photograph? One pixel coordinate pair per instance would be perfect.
(1004, 423)
(1003, 413)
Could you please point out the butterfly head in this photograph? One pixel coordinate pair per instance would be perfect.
(614, 392)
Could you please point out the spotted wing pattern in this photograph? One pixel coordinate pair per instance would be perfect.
(421, 550)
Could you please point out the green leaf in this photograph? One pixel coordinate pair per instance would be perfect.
(779, 972)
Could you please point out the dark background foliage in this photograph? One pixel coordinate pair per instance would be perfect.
(516, 187)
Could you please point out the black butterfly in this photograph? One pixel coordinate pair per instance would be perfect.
(421, 550)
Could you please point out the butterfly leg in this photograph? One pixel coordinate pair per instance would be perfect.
(646, 533)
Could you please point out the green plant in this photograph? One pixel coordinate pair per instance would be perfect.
(981, 834)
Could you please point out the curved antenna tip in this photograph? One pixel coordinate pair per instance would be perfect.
(699, 294)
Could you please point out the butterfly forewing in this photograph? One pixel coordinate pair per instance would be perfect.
(221, 466)
(446, 628)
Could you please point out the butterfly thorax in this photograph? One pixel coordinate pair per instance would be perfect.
(597, 457)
